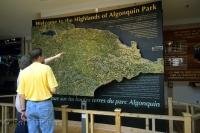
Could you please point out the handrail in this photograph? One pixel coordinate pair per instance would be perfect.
(136, 115)
(189, 104)
(195, 117)
(5, 116)
(3, 96)
(5, 111)
(190, 108)
(186, 118)
(152, 116)
(107, 113)
(7, 104)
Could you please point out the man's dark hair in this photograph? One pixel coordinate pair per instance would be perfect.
(24, 61)
(35, 53)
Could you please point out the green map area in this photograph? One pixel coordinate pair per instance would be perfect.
(92, 57)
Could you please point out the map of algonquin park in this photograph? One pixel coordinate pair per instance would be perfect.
(92, 57)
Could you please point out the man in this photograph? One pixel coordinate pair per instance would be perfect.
(37, 83)
(24, 62)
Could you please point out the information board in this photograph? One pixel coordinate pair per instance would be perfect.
(112, 58)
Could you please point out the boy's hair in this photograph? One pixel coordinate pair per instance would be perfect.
(35, 53)
(24, 61)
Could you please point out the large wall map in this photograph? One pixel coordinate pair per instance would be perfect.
(112, 58)
(92, 58)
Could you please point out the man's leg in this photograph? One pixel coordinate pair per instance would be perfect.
(46, 116)
(32, 118)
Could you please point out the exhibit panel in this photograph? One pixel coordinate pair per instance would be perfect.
(112, 58)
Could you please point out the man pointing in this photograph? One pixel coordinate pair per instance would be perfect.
(37, 83)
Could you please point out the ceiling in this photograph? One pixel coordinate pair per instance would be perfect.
(181, 11)
(17, 15)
